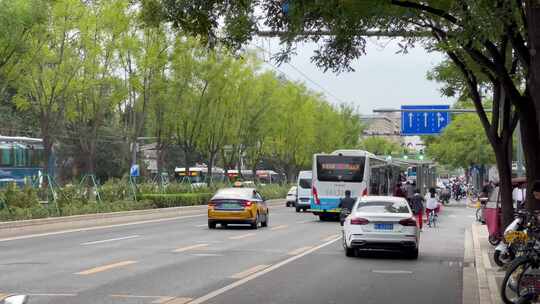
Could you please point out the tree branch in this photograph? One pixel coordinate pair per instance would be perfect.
(428, 9)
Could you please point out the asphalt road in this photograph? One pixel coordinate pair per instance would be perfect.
(298, 259)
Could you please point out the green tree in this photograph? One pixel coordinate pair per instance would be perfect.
(98, 91)
(462, 144)
(380, 146)
(46, 73)
(483, 39)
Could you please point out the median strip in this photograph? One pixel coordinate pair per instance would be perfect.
(182, 249)
(242, 236)
(249, 271)
(106, 267)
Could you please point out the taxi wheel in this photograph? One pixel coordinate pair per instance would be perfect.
(255, 224)
(266, 219)
(211, 225)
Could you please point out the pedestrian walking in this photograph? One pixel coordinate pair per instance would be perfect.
(398, 191)
(409, 191)
(417, 206)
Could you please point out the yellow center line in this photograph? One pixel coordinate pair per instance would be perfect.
(279, 227)
(242, 236)
(249, 271)
(105, 267)
(182, 249)
(299, 250)
(330, 237)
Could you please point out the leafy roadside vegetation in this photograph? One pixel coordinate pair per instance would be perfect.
(24, 204)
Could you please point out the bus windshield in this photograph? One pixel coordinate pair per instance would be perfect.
(334, 168)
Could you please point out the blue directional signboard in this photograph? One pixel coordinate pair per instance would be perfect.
(427, 122)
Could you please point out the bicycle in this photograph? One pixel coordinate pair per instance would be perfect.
(432, 218)
(521, 283)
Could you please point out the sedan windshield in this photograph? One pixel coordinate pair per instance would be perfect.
(382, 207)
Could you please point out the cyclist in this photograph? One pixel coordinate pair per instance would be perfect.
(417, 207)
(432, 204)
(346, 204)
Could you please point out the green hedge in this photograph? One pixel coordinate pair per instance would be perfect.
(177, 199)
(23, 204)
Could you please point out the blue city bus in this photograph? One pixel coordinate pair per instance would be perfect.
(21, 160)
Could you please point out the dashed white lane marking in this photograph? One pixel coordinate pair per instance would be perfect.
(249, 271)
(201, 225)
(105, 267)
(279, 227)
(29, 236)
(51, 294)
(242, 236)
(206, 254)
(305, 222)
(186, 248)
(330, 237)
(158, 299)
(392, 271)
(299, 250)
(111, 240)
(253, 276)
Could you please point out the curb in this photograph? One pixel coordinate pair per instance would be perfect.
(488, 288)
(158, 212)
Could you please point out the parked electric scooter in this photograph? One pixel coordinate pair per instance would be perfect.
(514, 234)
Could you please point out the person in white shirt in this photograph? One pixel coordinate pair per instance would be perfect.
(432, 203)
(518, 195)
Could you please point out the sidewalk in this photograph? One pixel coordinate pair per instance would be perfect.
(479, 266)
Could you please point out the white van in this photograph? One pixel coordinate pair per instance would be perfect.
(304, 191)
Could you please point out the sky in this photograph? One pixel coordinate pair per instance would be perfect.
(382, 78)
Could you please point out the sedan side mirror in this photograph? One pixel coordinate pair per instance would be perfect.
(15, 299)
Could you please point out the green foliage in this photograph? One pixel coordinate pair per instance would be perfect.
(381, 146)
(274, 191)
(15, 197)
(178, 199)
(462, 143)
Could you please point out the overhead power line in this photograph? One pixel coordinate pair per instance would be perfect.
(326, 91)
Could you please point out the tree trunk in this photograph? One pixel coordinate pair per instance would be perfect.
(533, 28)
(210, 167)
(47, 146)
(503, 155)
(530, 138)
(531, 149)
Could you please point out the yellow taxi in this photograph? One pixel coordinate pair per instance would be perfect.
(237, 206)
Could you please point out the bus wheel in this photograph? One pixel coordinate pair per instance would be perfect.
(323, 217)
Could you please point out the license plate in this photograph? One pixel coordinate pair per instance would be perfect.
(230, 206)
(384, 226)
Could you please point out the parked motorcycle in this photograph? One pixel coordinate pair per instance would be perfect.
(514, 236)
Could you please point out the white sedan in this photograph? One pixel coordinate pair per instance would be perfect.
(381, 223)
(291, 197)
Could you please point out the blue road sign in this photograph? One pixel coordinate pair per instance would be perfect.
(424, 123)
(134, 171)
